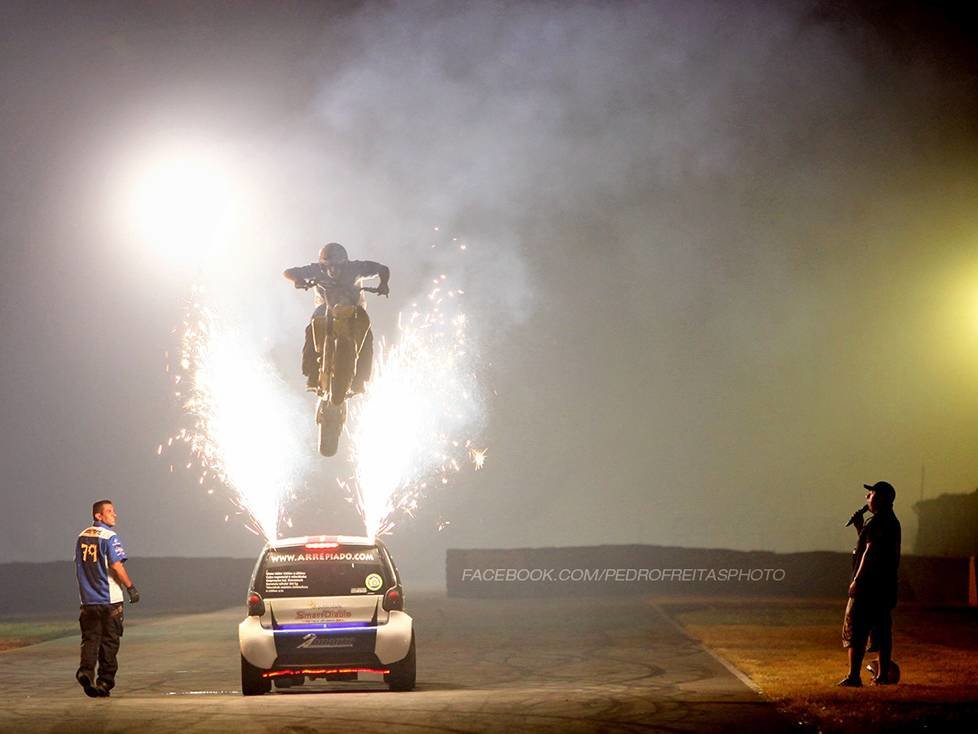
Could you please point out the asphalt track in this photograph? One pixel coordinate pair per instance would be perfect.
(560, 665)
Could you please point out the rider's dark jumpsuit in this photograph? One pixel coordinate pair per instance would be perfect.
(342, 288)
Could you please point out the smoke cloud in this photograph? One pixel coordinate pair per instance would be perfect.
(718, 262)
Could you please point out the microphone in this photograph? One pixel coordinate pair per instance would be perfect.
(859, 513)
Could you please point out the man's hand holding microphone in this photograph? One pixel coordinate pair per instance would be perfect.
(857, 517)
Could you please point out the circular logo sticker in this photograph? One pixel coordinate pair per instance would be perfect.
(374, 581)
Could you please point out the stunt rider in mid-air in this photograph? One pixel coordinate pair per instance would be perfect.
(337, 281)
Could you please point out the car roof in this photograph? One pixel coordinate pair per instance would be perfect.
(340, 539)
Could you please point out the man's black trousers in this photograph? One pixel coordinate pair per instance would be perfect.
(101, 630)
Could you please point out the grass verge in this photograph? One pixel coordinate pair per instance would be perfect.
(792, 651)
(15, 634)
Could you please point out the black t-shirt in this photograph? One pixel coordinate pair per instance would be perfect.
(879, 576)
(344, 286)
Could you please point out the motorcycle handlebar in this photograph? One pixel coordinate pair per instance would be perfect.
(310, 283)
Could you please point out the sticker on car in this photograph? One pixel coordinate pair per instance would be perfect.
(374, 581)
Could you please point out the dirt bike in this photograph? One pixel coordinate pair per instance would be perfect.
(338, 337)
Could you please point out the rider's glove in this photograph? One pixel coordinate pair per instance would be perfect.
(133, 594)
(383, 290)
(303, 284)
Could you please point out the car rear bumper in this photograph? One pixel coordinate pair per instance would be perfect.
(363, 647)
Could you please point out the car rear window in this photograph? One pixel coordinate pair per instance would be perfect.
(341, 571)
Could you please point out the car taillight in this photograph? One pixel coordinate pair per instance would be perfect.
(256, 605)
(394, 600)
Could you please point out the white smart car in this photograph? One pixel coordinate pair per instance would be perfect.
(329, 607)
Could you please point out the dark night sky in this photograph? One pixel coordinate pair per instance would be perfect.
(723, 257)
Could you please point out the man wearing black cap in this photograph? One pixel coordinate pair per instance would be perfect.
(873, 590)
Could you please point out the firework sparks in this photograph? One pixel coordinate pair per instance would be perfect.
(244, 432)
(423, 394)
(478, 457)
(248, 435)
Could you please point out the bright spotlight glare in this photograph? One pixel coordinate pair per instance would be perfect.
(181, 205)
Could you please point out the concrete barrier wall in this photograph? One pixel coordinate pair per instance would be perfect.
(204, 584)
(165, 585)
(663, 570)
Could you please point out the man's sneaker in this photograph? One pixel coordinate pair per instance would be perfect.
(850, 683)
(85, 681)
(101, 690)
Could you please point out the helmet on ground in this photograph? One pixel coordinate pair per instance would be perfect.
(893, 672)
(333, 254)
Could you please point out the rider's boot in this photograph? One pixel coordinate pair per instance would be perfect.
(310, 361)
(365, 359)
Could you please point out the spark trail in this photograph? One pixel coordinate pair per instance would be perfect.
(243, 430)
(410, 430)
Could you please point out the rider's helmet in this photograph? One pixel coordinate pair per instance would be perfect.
(333, 254)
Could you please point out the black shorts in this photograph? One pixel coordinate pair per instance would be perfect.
(865, 617)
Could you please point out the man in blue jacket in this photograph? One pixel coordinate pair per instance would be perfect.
(99, 565)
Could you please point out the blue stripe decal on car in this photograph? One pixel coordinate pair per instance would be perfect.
(347, 627)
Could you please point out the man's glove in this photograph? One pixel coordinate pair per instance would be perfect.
(133, 594)
(383, 290)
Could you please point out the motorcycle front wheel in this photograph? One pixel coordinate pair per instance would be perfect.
(330, 419)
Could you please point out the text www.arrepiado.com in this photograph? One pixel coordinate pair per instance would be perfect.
(622, 575)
